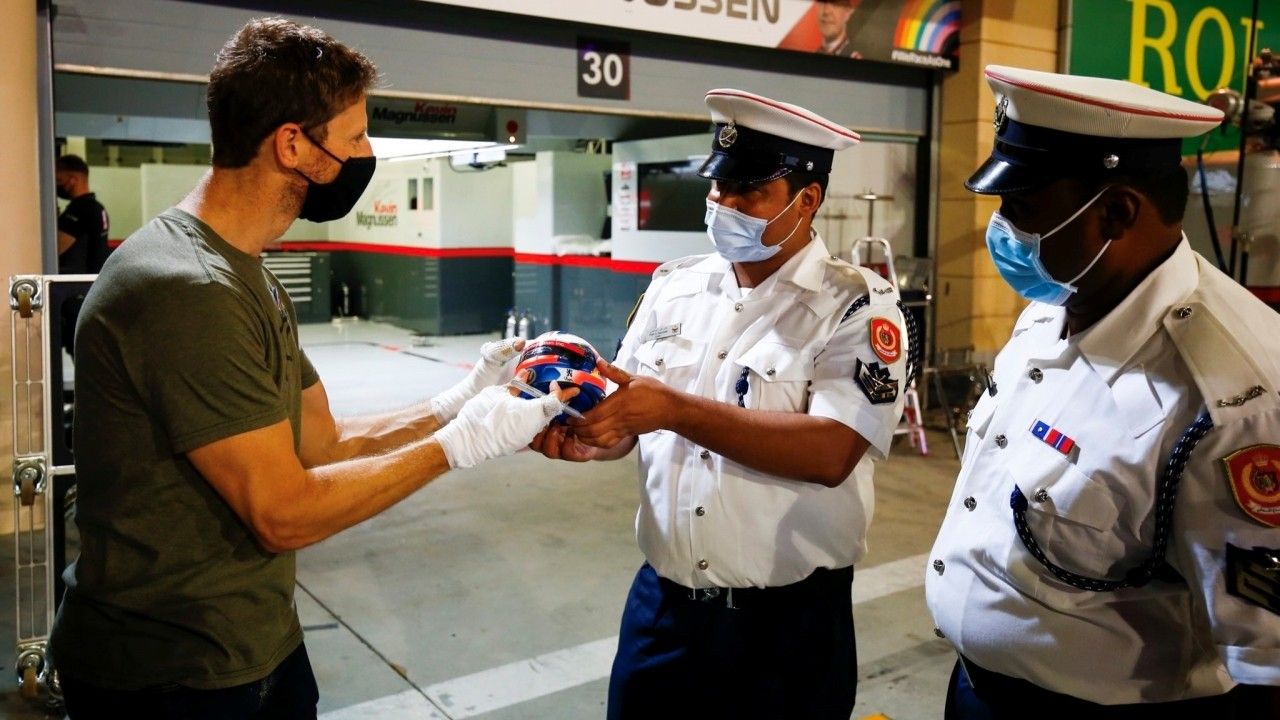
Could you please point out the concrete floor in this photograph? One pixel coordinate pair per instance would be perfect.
(495, 592)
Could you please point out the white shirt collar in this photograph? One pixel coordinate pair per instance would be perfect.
(1111, 343)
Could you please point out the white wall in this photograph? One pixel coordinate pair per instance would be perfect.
(474, 207)
(117, 188)
(164, 185)
(531, 229)
(558, 194)
(884, 168)
(578, 190)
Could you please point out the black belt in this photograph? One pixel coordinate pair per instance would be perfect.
(1008, 696)
(818, 582)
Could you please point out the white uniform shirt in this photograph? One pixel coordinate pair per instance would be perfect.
(705, 520)
(1118, 397)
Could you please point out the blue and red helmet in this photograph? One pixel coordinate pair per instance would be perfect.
(559, 357)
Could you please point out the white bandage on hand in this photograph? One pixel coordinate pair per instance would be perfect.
(494, 424)
(491, 369)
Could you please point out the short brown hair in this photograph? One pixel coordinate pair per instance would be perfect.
(71, 163)
(274, 71)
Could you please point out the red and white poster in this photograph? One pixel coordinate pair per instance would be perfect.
(912, 32)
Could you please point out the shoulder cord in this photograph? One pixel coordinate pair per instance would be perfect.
(1166, 496)
(743, 386)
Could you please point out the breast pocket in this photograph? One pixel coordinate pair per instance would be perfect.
(674, 361)
(1072, 517)
(976, 424)
(778, 377)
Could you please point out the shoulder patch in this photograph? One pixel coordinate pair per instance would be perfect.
(1254, 474)
(886, 340)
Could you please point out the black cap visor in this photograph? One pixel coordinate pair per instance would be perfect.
(741, 168)
(999, 177)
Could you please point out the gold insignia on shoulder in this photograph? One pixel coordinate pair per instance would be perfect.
(636, 308)
(1256, 391)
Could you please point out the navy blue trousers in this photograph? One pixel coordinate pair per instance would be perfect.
(984, 695)
(288, 693)
(782, 653)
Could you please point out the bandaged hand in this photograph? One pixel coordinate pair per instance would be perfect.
(496, 423)
(494, 367)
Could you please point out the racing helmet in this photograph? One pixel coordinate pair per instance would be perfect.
(564, 358)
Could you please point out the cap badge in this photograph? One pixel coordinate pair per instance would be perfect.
(808, 165)
(1002, 108)
(728, 135)
(1111, 161)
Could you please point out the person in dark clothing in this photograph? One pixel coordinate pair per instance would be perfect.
(83, 225)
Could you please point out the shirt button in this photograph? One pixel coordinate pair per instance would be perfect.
(970, 503)
(939, 566)
(771, 372)
(737, 307)
(703, 564)
(1001, 441)
(939, 633)
(658, 362)
(1035, 375)
(722, 354)
(700, 511)
(704, 454)
(1041, 495)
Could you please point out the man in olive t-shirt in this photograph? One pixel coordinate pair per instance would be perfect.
(206, 453)
(209, 337)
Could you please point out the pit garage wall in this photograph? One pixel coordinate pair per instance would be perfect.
(441, 265)
(433, 52)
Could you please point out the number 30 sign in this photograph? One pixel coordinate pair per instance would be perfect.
(604, 69)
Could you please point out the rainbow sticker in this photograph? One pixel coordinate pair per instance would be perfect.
(931, 26)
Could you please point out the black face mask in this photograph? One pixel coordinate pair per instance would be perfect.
(63, 192)
(332, 200)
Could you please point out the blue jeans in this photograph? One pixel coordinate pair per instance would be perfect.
(288, 693)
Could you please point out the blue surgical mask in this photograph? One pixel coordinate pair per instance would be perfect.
(739, 237)
(1016, 254)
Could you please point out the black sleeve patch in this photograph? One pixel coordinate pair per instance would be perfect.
(875, 382)
(1253, 575)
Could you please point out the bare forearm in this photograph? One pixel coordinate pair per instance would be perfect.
(341, 494)
(373, 434)
(790, 445)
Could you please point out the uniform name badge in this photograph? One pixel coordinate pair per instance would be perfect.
(1254, 473)
(662, 333)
